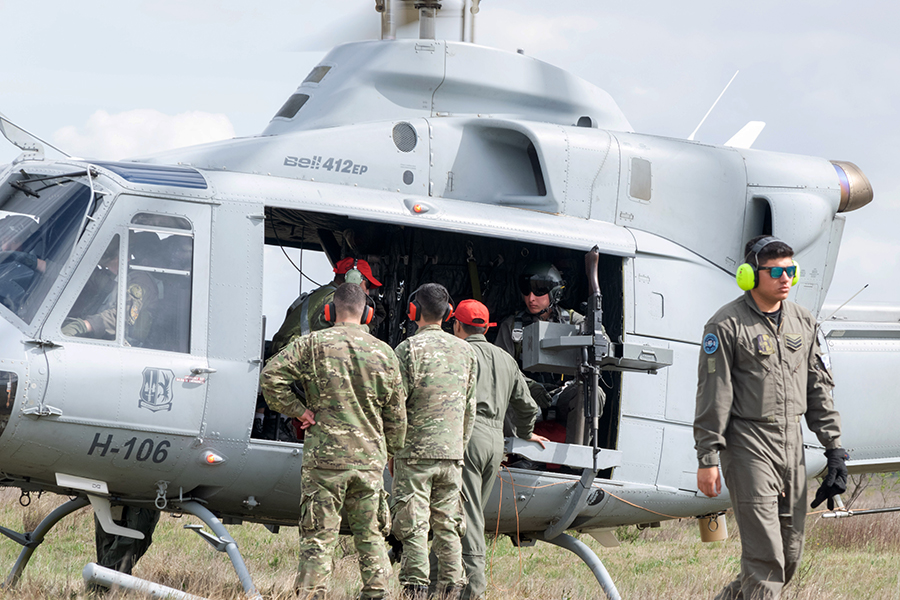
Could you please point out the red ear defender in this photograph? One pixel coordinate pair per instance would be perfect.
(414, 310)
(368, 311)
(330, 312)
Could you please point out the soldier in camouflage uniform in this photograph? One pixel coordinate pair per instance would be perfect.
(439, 371)
(305, 315)
(355, 418)
(761, 372)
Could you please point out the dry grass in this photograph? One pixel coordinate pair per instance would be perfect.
(848, 558)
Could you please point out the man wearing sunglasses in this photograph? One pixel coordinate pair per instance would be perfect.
(541, 286)
(761, 370)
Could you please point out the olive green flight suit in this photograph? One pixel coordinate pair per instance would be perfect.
(571, 399)
(500, 384)
(756, 381)
(305, 317)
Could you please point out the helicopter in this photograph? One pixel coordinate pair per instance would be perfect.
(425, 157)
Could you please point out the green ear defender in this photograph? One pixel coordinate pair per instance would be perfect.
(747, 275)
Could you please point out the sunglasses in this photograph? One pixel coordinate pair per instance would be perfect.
(538, 287)
(776, 272)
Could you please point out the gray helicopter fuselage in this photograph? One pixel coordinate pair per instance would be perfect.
(419, 143)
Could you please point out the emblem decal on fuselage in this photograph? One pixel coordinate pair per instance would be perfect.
(157, 390)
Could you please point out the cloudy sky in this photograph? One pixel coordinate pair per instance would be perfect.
(113, 79)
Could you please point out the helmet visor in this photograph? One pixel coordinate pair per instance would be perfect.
(538, 285)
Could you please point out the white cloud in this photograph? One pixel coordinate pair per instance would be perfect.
(140, 132)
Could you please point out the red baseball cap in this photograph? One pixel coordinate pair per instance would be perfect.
(473, 312)
(345, 264)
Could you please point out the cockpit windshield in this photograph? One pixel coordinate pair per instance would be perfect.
(40, 219)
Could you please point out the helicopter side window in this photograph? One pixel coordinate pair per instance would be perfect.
(157, 291)
(94, 313)
(292, 106)
(159, 270)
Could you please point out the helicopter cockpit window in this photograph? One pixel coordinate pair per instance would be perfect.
(293, 104)
(40, 219)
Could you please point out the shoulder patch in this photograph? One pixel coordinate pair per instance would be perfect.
(710, 343)
(764, 344)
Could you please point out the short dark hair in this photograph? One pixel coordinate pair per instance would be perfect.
(773, 249)
(434, 300)
(472, 329)
(349, 299)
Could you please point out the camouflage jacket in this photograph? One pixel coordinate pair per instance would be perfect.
(353, 386)
(439, 372)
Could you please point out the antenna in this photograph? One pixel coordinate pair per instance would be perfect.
(691, 137)
(845, 303)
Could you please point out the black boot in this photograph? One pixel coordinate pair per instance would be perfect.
(414, 592)
(451, 592)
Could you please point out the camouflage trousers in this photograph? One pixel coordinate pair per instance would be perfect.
(119, 552)
(324, 493)
(427, 495)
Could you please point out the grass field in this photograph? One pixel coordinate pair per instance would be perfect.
(855, 558)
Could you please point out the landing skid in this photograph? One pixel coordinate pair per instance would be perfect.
(32, 539)
(219, 539)
(222, 542)
(582, 551)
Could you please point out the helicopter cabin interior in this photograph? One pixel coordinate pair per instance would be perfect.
(403, 258)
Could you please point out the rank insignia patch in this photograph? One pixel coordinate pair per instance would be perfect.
(764, 344)
(794, 341)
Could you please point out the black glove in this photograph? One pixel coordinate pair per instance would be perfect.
(835, 481)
